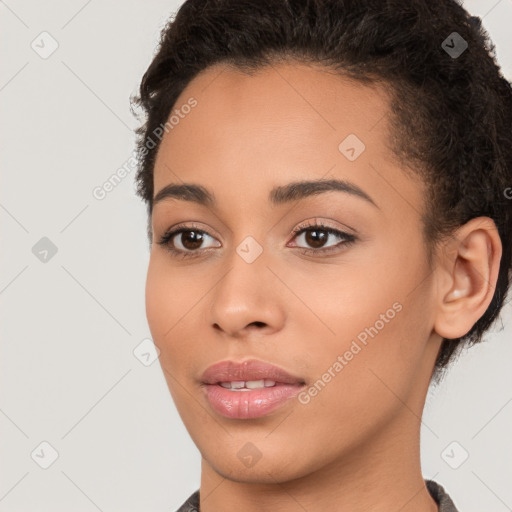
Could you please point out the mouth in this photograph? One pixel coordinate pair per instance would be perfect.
(248, 389)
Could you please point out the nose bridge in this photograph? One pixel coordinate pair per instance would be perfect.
(244, 295)
(249, 231)
(246, 265)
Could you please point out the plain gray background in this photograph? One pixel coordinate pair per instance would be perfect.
(70, 321)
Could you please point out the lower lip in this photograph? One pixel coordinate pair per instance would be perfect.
(249, 404)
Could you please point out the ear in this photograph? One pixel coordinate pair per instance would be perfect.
(466, 277)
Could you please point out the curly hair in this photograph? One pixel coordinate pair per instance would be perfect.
(450, 112)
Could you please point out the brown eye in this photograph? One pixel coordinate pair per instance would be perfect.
(186, 241)
(190, 240)
(315, 237)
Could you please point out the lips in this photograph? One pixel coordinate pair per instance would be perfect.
(250, 370)
(248, 389)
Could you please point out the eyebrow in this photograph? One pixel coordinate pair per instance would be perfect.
(279, 195)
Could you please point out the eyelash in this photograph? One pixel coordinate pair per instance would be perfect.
(168, 235)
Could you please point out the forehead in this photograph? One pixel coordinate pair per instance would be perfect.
(248, 133)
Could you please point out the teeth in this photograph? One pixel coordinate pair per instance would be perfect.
(250, 384)
(255, 384)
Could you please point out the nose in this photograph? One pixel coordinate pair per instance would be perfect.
(248, 298)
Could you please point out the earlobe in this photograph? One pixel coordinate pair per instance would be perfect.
(467, 277)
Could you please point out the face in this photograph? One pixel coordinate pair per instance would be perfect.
(333, 286)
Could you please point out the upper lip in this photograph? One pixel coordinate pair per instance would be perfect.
(252, 369)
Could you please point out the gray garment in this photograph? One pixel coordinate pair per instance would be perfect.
(440, 496)
(436, 491)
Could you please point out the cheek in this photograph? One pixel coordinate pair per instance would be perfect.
(375, 317)
(159, 300)
(361, 380)
(170, 299)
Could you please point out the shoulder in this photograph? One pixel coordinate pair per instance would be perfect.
(192, 503)
(440, 496)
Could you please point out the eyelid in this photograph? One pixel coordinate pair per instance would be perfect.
(326, 224)
(175, 230)
(347, 238)
(188, 226)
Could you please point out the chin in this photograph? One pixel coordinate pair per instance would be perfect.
(262, 474)
(249, 466)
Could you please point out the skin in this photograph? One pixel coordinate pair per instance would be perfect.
(355, 446)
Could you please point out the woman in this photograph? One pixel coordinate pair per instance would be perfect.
(326, 183)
